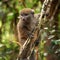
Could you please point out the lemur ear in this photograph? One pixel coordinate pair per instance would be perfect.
(19, 16)
(32, 11)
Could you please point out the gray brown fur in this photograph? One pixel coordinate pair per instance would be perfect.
(26, 24)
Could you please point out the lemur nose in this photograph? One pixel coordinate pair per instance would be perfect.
(24, 19)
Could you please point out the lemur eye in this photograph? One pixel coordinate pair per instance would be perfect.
(21, 14)
(24, 14)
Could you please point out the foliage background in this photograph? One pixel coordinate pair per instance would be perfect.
(9, 12)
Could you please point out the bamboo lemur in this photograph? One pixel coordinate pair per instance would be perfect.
(27, 21)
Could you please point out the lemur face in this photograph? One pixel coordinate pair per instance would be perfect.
(26, 15)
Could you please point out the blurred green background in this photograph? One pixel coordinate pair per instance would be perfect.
(9, 12)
